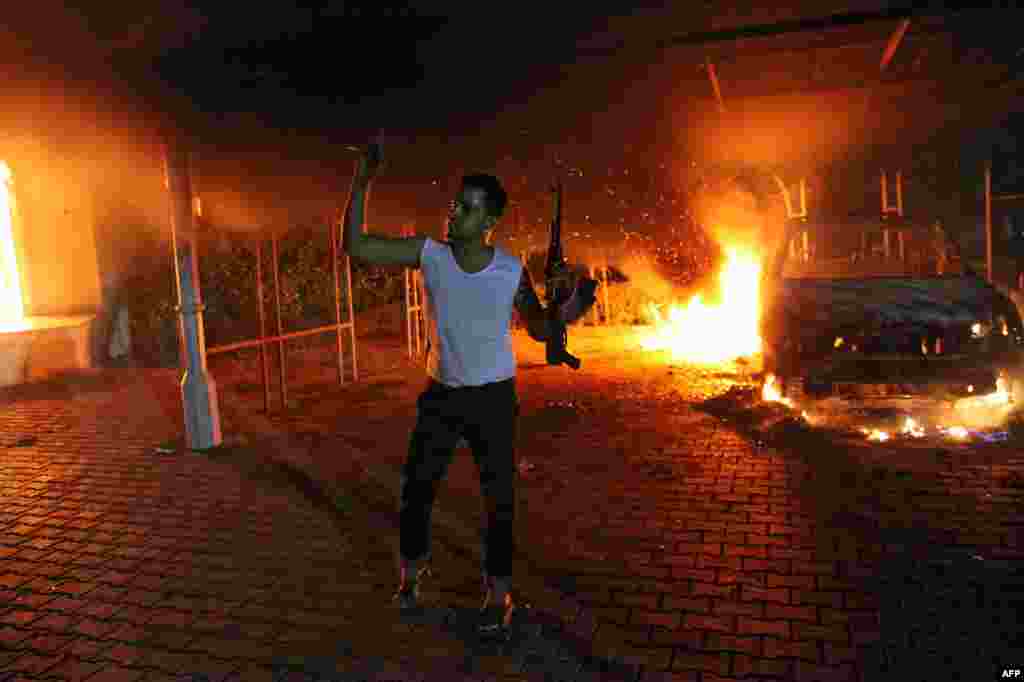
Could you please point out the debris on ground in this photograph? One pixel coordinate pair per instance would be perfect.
(168, 448)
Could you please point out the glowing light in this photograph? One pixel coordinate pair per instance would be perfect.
(770, 393)
(709, 334)
(998, 398)
(839, 342)
(912, 428)
(958, 432)
(876, 435)
(12, 307)
(976, 329)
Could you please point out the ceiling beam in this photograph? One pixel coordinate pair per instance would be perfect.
(714, 84)
(894, 43)
(814, 25)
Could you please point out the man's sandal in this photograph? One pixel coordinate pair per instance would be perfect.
(407, 596)
(495, 619)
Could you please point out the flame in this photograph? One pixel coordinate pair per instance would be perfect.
(770, 393)
(912, 428)
(709, 334)
(998, 398)
(956, 432)
(12, 307)
(875, 434)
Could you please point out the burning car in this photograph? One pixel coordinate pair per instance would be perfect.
(882, 307)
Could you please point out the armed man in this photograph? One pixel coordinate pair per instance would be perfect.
(471, 289)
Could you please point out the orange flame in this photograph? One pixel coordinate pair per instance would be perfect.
(770, 393)
(912, 428)
(709, 334)
(999, 398)
(877, 435)
(957, 432)
(12, 306)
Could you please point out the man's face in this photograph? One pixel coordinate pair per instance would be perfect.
(467, 215)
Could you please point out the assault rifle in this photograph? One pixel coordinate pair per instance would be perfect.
(556, 293)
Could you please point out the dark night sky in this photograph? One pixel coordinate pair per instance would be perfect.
(266, 87)
(410, 68)
(406, 67)
(399, 67)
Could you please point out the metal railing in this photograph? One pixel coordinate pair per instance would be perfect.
(415, 325)
(280, 337)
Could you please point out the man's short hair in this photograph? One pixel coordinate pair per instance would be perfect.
(495, 197)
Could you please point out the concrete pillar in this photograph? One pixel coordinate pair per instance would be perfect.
(198, 390)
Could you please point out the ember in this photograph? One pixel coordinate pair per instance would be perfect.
(710, 334)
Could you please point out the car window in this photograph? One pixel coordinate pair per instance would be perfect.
(858, 249)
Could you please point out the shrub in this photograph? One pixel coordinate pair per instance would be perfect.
(228, 280)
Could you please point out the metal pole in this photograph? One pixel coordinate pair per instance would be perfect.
(280, 329)
(594, 317)
(899, 193)
(351, 318)
(605, 317)
(419, 320)
(263, 325)
(988, 219)
(407, 281)
(894, 42)
(885, 194)
(337, 299)
(715, 86)
(198, 389)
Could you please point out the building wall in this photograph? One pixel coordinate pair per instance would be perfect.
(55, 237)
(87, 184)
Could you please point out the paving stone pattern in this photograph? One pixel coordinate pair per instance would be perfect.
(682, 549)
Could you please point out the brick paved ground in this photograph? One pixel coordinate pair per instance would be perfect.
(688, 551)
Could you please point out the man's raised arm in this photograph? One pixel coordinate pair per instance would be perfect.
(367, 247)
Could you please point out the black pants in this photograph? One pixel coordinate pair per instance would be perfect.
(486, 417)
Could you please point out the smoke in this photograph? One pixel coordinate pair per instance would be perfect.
(731, 216)
(88, 172)
(87, 182)
(644, 277)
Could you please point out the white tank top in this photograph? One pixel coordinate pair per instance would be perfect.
(468, 316)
